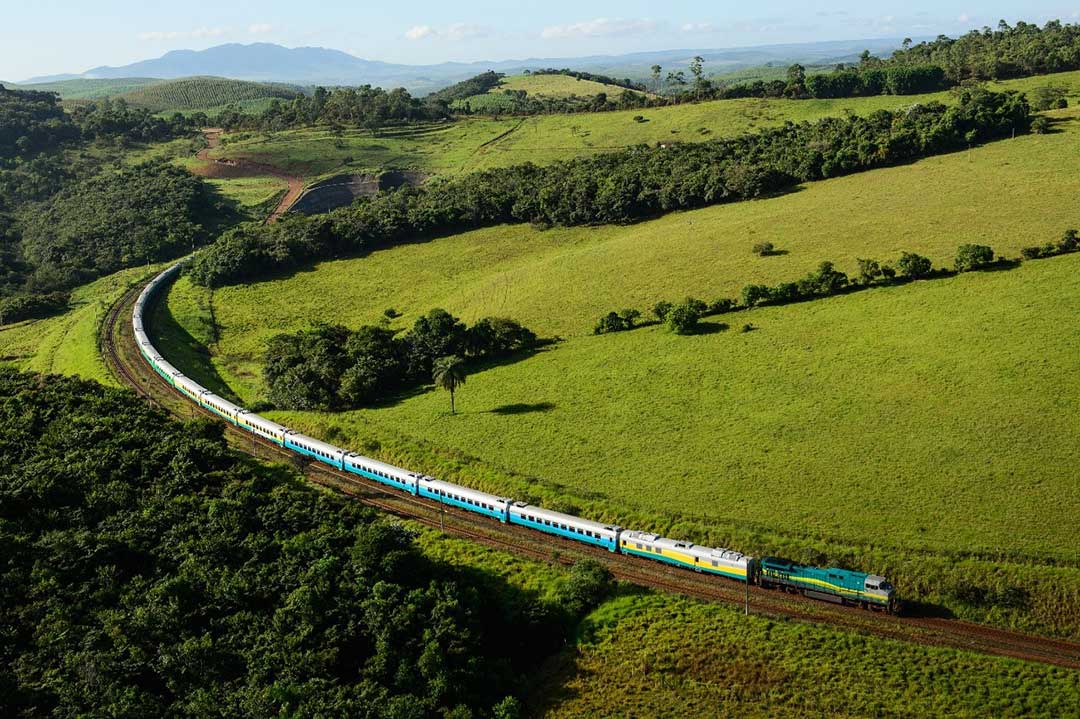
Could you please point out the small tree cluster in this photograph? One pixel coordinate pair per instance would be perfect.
(973, 257)
(330, 367)
(824, 281)
(764, 249)
(1070, 242)
(617, 321)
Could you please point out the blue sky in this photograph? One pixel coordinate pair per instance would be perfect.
(45, 37)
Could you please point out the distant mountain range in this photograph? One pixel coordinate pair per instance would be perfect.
(266, 62)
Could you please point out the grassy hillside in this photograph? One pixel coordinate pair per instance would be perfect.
(658, 656)
(557, 86)
(896, 420)
(67, 343)
(91, 89)
(644, 655)
(475, 144)
(205, 93)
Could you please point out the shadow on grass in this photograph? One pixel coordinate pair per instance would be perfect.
(911, 608)
(523, 408)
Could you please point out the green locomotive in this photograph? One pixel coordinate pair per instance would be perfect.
(840, 586)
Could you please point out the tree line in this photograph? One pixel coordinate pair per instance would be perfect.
(619, 187)
(361, 107)
(826, 281)
(149, 570)
(330, 367)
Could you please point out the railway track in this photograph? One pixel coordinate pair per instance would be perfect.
(123, 358)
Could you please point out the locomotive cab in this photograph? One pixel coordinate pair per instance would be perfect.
(879, 587)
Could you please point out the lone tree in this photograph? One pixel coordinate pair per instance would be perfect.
(449, 374)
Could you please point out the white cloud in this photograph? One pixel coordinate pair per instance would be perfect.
(261, 28)
(600, 27)
(464, 31)
(964, 17)
(419, 32)
(698, 27)
(156, 35)
(455, 32)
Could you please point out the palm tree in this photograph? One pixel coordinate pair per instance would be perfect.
(656, 70)
(449, 374)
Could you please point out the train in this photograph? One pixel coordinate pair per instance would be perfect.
(840, 586)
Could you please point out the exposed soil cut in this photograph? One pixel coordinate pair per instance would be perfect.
(225, 168)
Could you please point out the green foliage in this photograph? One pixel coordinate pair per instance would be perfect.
(589, 583)
(330, 367)
(102, 224)
(366, 107)
(914, 266)
(661, 309)
(32, 122)
(1049, 97)
(465, 89)
(764, 249)
(1040, 125)
(683, 318)
(449, 373)
(25, 307)
(621, 186)
(973, 257)
(205, 93)
(1022, 50)
(617, 321)
(146, 560)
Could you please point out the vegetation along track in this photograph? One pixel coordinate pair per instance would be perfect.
(225, 168)
(124, 360)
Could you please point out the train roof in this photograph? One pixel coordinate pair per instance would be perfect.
(437, 484)
(370, 463)
(311, 442)
(568, 519)
(696, 550)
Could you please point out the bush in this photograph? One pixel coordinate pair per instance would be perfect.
(589, 584)
(973, 257)
(754, 295)
(722, 305)
(914, 266)
(615, 322)
(661, 309)
(683, 318)
(869, 271)
(764, 249)
(1040, 125)
(28, 307)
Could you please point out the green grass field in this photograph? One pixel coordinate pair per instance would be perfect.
(557, 86)
(645, 655)
(475, 143)
(654, 656)
(67, 344)
(897, 420)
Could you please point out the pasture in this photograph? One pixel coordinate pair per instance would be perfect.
(480, 143)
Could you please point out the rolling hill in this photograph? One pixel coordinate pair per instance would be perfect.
(267, 62)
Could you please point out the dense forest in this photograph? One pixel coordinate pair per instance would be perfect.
(330, 367)
(68, 215)
(150, 571)
(367, 107)
(619, 187)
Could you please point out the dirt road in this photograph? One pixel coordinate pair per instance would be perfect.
(224, 168)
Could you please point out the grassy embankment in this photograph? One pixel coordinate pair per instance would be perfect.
(644, 655)
(918, 430)
(68, 343)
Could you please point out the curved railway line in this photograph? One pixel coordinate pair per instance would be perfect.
(124, 360)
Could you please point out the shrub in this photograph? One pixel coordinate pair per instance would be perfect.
(1070, 241)
(764, 249)
(589, 583)
(630, 317)
(26, 307)
(869, 270)
(683, 318)
(754, 295)
(973, 257)
(722, 305)
(1040, 125)
(611, 322)
(914, 266)
(661, 309)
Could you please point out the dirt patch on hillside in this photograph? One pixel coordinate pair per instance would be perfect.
(227, 168)
(342, 190)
